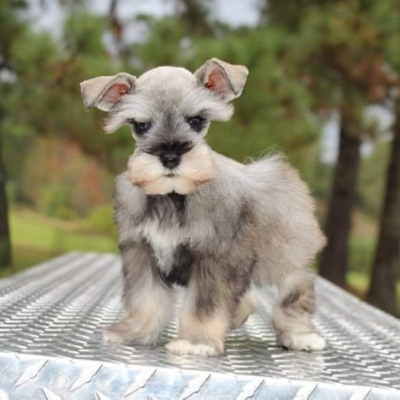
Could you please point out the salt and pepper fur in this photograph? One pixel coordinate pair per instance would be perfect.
(217, 227)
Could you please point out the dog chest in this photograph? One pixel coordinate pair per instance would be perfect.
(164, 243)
(174, 256)
(164, 228)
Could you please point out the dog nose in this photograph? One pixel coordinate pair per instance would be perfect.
(170, 160)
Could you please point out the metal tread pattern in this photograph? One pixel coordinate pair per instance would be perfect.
(52, 318)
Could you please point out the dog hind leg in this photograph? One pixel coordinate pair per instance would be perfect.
(293, 312)
(248, 304)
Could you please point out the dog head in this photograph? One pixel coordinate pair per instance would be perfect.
(169, 110)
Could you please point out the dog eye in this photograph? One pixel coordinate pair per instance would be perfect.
(196, 123)
(140, 127)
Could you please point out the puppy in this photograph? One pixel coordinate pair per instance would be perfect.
(191, 217)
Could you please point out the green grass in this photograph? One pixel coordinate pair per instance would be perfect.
(36, 238)
(359, 283)
(362, 251)
(31, 229)
(358, 280)
(361, 254)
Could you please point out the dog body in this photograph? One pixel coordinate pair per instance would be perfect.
(191, 217)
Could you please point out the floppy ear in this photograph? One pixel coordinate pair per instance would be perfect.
(104, 91)
(225, 80)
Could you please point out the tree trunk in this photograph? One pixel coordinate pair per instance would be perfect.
(5, 246)
(334, 258)
(386, 268)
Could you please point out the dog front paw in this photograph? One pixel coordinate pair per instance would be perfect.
(128, 335)
(184, 347)
(112, 335)
(302, 341)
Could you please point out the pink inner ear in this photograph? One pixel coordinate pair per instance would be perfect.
(115, 92)
(217, 81)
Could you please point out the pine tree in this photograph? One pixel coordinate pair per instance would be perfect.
(10, 27)
(338, 53)
(386, 266)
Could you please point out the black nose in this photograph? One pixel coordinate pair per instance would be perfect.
(170, 160)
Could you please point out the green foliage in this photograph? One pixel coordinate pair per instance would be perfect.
(30, 229)
(361, 254)
(386, 15)
(82, 35)
(47, 89)
(361, 281)
(61, 183)
(195, 16)
(338, 49)
(164, 44)
(53, 201)
(11, 25)
(287, 14)
(371, 187)
(100, 220)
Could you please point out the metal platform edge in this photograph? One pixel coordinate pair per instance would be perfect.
(55, 378)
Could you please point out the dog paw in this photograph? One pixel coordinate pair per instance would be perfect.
(111, 334)
(184, 347)
(121, 334)
(302, 341)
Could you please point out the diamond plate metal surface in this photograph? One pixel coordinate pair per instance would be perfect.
(51, 348)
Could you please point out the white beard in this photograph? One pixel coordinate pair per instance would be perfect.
(147, 172)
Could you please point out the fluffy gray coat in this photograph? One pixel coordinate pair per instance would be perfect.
(191, 217)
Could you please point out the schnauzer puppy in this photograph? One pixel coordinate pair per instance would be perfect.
(191, 217)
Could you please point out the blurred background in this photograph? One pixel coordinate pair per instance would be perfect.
(323, 88)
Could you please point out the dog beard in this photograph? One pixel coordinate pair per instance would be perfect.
(147, 172)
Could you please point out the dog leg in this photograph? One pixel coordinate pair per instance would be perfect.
(212, 299)
(147, 301)
(248, 304)
(201, 331)
(293, 312)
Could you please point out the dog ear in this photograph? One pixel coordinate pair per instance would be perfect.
(225, 80)
(104, 91)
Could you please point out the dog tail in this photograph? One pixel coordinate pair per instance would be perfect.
(284, 195)
(274, 170)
